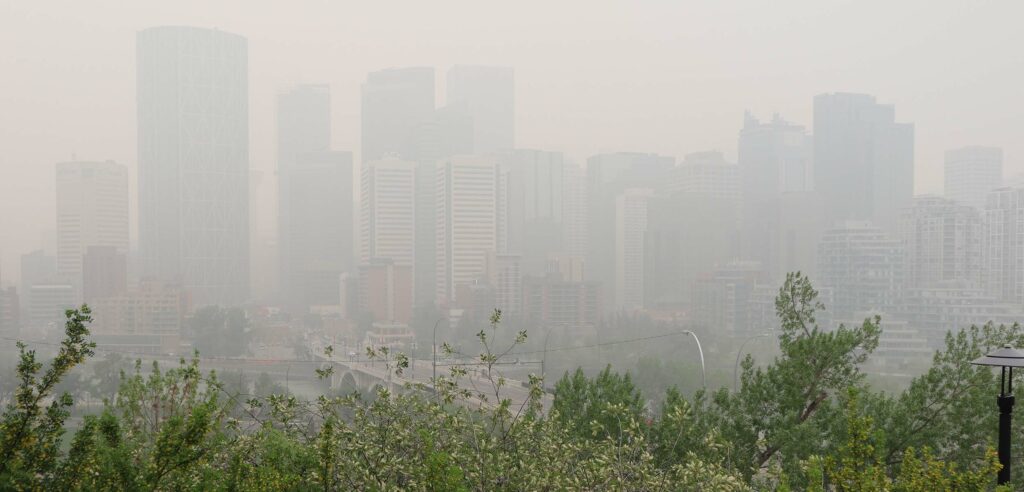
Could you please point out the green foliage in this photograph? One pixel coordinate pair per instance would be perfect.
(31, 430)
(600, 407)
(805, 421)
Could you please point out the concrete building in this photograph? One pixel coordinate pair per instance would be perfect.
(607, 176)
(386, 290)
(388, 211)
(467, 222)
(487, 95)
(708, 173)
(396, 104)
(92, 210)
(320, 228)
(952, 306)
(10, 313)
(943, 242)
(193, 145)
(724, 299)
(972, 173)
(864, 267)
(37, 268)
(775, 161)
(630, 232)
(863, 159)
(562, 300)
(1003, 245)
(104, 273)
(505, 275)
(46, 305)
(304, 136)
(147, 319)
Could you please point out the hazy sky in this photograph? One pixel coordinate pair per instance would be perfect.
(660, 76)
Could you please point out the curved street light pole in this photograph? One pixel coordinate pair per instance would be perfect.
(544, 358)
(433, 348)
(736, 368)
(703, 371)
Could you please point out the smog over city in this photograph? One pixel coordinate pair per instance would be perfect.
(454, 245)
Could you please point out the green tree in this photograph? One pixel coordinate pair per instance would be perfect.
(598, 407)
(30, 429)
(220, 331)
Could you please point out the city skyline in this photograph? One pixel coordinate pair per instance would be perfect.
(545, 109)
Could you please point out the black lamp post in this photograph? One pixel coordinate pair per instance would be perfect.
(1006, 359)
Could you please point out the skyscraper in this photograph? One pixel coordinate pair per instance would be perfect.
(775, 159)
(538, 214)
(388, 212)
(630, 231)
(863, 159)
(193, 144)
(973, 172)
(303, 127)
(320, 227)
(92, 210)
(707, 172)
(397, 103)
(467, 222)
(487, 95)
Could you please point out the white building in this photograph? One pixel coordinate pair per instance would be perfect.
(973, 172)
(92, 210)
(467, 221)
(942, 240)
(388, 211)
(630, 231)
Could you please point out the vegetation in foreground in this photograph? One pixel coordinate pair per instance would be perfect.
(804, 421)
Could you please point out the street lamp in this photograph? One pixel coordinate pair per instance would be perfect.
(736, 368)
(703, 371)
(544, 358)
(1004, 358)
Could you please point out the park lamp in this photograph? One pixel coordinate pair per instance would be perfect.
(1006, 359)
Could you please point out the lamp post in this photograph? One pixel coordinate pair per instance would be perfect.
(703, 371)
(736, 368)
(1006, 359)
(544, 358)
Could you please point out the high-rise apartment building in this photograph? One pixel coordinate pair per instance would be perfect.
(92, 210)
(1003, 245)
(396, 104)
(943, 242)
(864, 267)
(972, 173)
(863, 159)
(487, 96)
(467, 222)
(193, 145)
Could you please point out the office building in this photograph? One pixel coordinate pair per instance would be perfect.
(147, 319)
(505, 275)
(320, 228)
(863, 159)
(972, 173)
(396, 104)
(193, 145)
(104, 273)
(487, 95)
(630, 231)
(388, 211)
(37, 268)
(92, 210)
(467, 222)
(386, 290)
(304, 136)
(708, 173)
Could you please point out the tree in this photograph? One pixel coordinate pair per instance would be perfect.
(219, 331)
(598, 407)
(30, 433)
